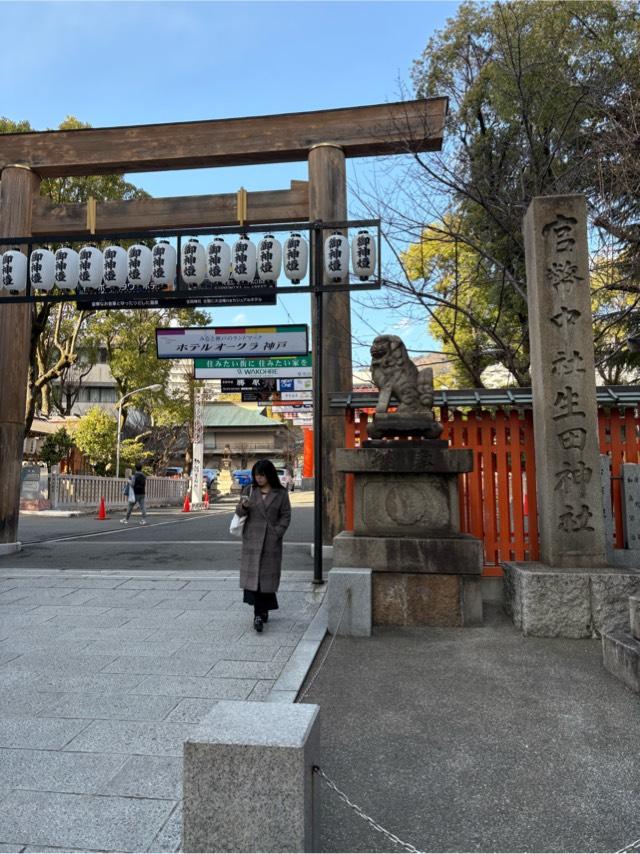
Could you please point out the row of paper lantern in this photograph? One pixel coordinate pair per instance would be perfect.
(141, 266)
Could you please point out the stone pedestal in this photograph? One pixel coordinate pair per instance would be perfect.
(406, 529)
(248, 778)
(621, 650)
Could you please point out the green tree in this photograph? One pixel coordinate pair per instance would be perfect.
(542, 100)
(56, 447)
(95, 436)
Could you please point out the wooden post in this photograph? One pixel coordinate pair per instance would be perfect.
(328, 202)
(18, 185)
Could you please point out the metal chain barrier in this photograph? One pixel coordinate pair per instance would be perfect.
(363, 815)
(631, 847)
(347, 601)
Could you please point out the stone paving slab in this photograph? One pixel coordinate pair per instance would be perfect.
(103, 675)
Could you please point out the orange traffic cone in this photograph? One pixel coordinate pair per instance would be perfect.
(102, 510)
(186, 507)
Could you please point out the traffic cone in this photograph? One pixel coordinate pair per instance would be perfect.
(102, 510)
(186, 507)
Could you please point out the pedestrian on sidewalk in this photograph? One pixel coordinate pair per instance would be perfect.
(137, 491)
(266, 506)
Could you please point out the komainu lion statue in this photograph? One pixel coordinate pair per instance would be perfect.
(396, 376)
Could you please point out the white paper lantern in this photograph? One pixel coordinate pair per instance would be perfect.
(336, 257)
(14, 271)
(90, 275)
(218, 261)
(139, 265)
(163, 256)
(296, 257)
(42, 269)
(363, 255)
(243, 260)
(114, 267)
(194, 262)
(67, 268)
(269, 258)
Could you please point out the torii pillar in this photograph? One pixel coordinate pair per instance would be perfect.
(18, 186)
(328, 202)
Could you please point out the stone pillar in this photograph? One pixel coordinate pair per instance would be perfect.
(563, 379)
(18, 185)
(248, 778)
(328, 202)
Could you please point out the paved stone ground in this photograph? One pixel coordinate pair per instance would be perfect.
(102, 678)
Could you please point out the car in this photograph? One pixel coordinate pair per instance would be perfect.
(242, 476)
(173, 471)
(209, 476)
(285, 479)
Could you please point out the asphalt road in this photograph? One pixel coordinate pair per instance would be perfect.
(170, 540)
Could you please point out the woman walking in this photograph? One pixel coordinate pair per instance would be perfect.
(266, 505)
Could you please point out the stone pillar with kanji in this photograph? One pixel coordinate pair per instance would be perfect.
(565, 409)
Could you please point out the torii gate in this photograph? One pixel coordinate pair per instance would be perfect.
(325, 138)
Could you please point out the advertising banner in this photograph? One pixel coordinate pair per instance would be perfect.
(283, 366)
(232, 342)
(295, 385)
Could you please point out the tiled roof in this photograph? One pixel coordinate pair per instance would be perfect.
(230, 415)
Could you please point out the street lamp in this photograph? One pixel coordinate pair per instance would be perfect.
(154, 387)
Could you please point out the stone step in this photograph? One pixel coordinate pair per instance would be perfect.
(634, 613)
(621, 657)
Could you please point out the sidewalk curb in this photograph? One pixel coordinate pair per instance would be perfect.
(288, 684)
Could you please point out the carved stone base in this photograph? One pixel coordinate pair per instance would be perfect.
(398, 424)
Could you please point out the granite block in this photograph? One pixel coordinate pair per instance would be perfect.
(610, 594)
(261, 650)
(43, 662)
(147, 738)
(83, 821)
(168, 665)
(455, 554)
(403, 458)
(25, 702)
(147, 777)
(121, 707)
(227, 807)
(133, 647)
(621, 657)
(403, 599)
(350, 617)
(248, 669)
(299, 664)
(58, 771)
(196, 686)
(261, 691)
(101, 683)
(39, 732)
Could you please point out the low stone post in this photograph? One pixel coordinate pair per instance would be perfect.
(248, 778)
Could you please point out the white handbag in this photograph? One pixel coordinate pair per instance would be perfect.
(237, 523)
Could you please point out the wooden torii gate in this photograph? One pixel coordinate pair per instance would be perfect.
(324, 138)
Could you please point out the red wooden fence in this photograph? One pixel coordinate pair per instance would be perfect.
(498, 498)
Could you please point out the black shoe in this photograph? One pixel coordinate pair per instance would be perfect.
(258, 624)
(265, 617)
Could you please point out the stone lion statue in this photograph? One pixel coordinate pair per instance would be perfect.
(396, 376)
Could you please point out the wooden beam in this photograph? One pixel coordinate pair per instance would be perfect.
(180, 212)
(359, 131)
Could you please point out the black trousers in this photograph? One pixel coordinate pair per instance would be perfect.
(262, 602)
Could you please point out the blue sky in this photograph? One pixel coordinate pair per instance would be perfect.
(123, 63)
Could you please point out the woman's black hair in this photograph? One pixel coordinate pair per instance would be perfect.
(267, 468)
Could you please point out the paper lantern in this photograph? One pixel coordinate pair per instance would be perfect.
(269, 259)
(194, 262)
(42, 269)
(163, 256)
(218, 261)
(363, 255)
(14, 271)
(336, 257)
(67, 268)
(90, 275)
(114, 267)
(139, 265)
(296, 257)
(243, 260)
